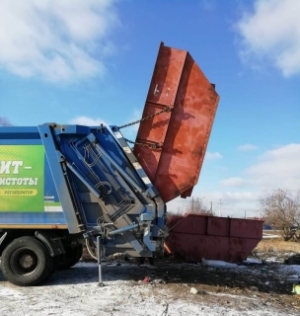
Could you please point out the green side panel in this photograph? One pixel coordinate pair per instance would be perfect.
(22, 178)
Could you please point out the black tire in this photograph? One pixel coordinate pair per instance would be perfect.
(72, 256)
(26, 262)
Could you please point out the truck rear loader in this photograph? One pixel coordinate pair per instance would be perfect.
(63, 184)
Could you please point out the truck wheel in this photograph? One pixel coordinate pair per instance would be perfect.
(73, 255)
(26, 261)
(77, 254)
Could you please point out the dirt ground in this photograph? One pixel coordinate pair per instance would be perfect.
(267, 284)
(164, 289)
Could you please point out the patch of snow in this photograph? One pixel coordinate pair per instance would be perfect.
(290, 269)
(75, 292)
(253, 261)
(271, 236)
(219, 264)
(293, 278)
(273, 259)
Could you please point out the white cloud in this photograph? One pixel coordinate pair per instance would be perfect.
(135, 116)
(278, 168)
(233, 182)
(213, 156)
(272, 31)
(84, 120)
(130, 132)
(56, 40)
(247, 147)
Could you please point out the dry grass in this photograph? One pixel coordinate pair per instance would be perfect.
(277, 245)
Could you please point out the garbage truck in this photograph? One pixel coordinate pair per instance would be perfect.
(62, 185)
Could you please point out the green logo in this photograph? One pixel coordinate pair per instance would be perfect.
(22, 178)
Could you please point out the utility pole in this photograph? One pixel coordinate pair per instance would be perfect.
(220, 203)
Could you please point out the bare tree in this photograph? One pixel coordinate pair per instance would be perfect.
(196, 206)
(282, 210)
(4, 122)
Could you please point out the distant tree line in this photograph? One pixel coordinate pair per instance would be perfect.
(4, 122)
(196, 206)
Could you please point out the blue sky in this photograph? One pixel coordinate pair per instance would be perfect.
(91, 61)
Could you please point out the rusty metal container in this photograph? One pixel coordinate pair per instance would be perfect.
(193, 237)
(175, 141)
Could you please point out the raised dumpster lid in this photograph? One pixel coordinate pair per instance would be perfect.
(173, 143)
